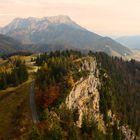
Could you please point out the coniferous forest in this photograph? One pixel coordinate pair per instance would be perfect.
(16, 76)
(125, 88)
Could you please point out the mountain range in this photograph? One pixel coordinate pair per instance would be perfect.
(59, 31)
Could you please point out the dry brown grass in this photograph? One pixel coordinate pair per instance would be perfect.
(15, 113)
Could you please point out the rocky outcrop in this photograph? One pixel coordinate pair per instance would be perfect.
(128, 134)
(84, 97)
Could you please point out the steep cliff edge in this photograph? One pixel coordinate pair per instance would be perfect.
(84, 99)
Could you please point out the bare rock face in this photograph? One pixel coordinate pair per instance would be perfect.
(128, 134)
(85, 96)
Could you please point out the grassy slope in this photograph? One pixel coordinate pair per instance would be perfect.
(15, 113)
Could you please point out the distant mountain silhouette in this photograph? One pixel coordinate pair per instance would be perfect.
(60, 30)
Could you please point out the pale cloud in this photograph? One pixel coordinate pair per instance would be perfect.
(106, 17)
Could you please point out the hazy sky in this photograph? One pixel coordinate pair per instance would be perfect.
(105, 17)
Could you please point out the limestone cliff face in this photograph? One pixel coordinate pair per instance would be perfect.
(84, 97)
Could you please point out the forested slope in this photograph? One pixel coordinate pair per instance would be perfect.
(114, 95)
(125, 78)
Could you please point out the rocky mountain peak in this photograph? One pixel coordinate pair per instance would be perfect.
(61, 30)
(37, 24)
(59, 19)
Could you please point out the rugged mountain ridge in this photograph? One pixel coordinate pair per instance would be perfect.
(33, 24)
(60, 30)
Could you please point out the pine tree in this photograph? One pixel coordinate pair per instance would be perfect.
(3, 82)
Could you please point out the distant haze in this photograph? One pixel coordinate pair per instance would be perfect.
(106, 17)
(133, 42)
